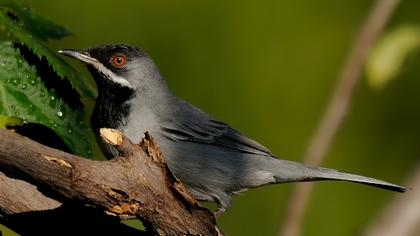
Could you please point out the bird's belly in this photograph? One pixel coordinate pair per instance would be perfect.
(203, 166)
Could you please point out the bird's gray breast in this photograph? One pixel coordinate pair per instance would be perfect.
(141, 119)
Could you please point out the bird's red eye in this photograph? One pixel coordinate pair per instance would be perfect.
(118, 60)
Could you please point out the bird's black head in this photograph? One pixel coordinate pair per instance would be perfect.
(116, 58)
(123, 73)
(117, 65)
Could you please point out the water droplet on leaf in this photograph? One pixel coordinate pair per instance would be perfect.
(60, 113)
(23, 86)
(19, 62)
(89, 151)
(52, 101)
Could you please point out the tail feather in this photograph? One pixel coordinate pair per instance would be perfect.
(330, 174)
(289, 171)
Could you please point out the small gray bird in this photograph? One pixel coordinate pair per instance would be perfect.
(212, 159)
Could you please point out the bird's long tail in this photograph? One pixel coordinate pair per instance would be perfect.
(289, 171)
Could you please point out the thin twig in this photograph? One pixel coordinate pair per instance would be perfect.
(337, 109)
(402, 216)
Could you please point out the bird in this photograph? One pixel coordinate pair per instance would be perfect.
(213, 160)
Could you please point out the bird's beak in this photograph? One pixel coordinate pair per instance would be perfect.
(79, 55)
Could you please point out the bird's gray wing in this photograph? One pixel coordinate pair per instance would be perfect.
(200, 127)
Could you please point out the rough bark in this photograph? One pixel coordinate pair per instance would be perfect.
(17, 196)
(136, 183)
(27, 211)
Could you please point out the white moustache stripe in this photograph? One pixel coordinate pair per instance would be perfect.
(111, 75)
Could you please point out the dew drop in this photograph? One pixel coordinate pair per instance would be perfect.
(31, 109)
(33, 82)
(89, 151)
(52, 101)
(55, 125)
(16, 81)
(25, 122)
(69, 131)
(60, 113)
(19, 62)
(25, 8)
(21, 24)
(9, 81)
(42, 94)
(23, 86)
(17, 113)
(2, 64)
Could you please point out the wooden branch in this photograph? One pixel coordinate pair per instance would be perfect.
(136, 183)
(27, 211)
(69, 219)
(17, 196)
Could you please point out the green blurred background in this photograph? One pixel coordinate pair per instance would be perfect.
(268, 68)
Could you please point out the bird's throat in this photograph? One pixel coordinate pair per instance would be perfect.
(112, 106)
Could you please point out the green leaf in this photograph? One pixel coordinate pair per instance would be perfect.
(387, 58)
(32, 22)
(30, 29)
(6, 121)
(24, 95)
